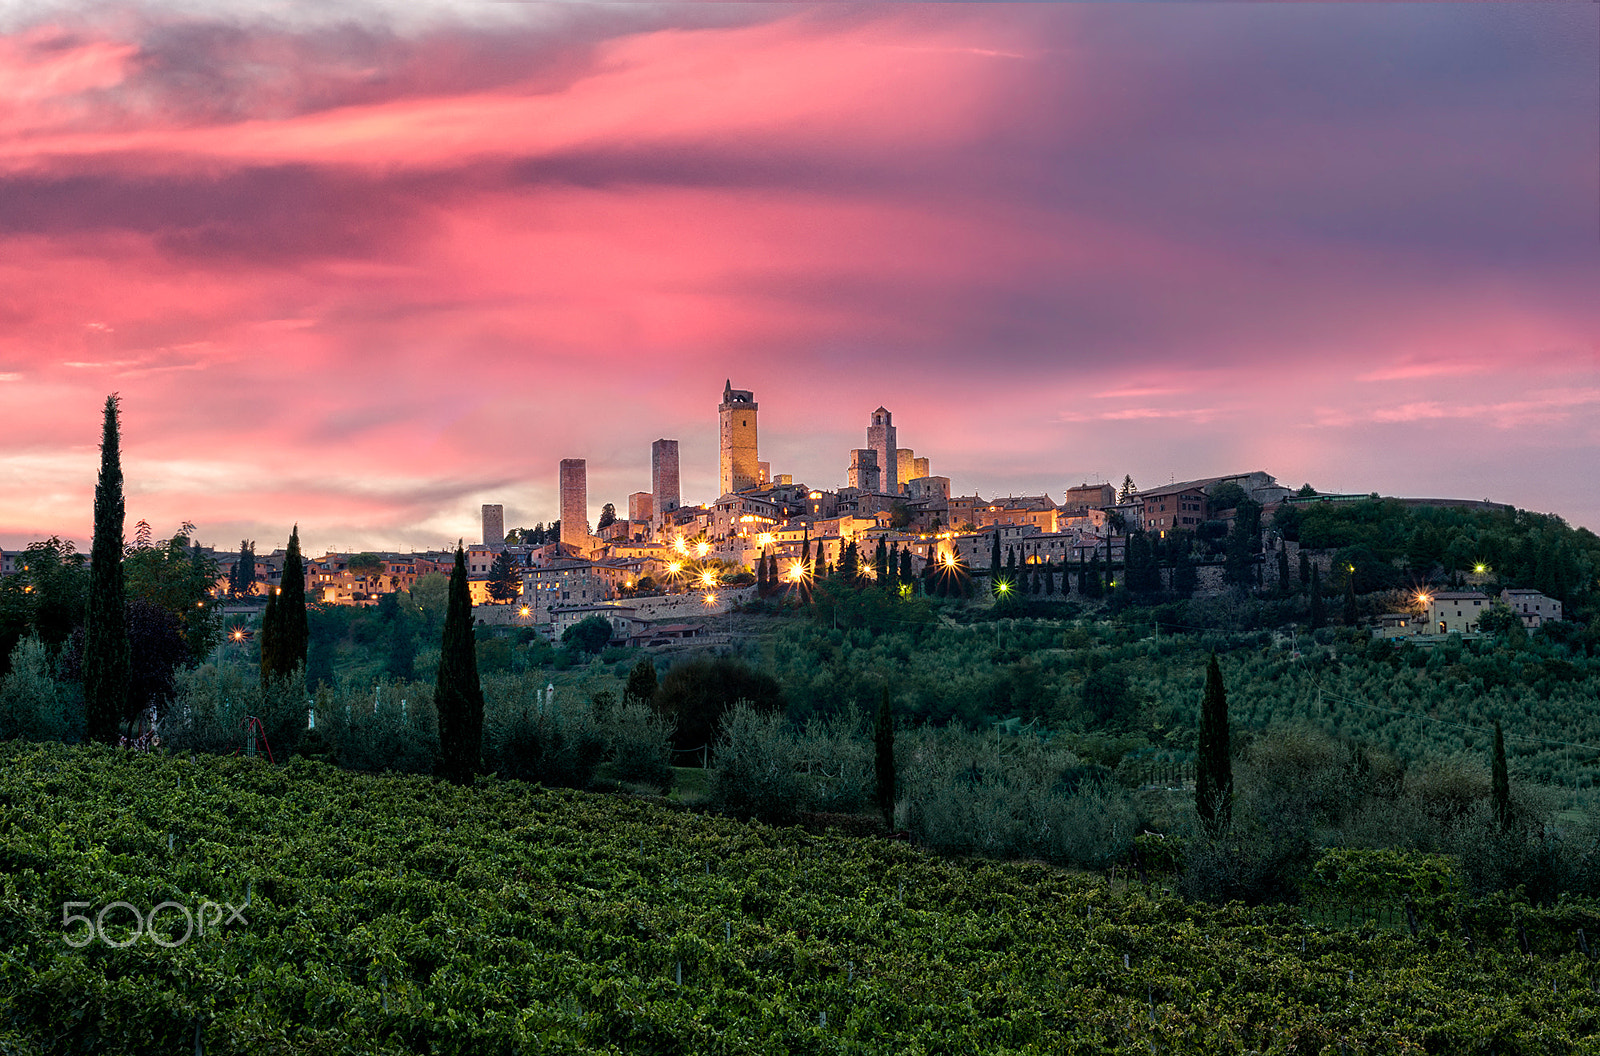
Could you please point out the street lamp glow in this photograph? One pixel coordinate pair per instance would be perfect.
(524, 611)
(1480, 568)
(708, 579)
(710, 599)
(702, 548)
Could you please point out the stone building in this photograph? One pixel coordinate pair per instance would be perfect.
(882, 440)
(575, 502)
(741, 465)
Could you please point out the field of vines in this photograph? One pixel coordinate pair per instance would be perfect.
(396, 914)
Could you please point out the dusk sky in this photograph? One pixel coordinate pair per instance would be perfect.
(367, 266)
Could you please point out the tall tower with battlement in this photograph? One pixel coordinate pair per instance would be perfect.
(741, 467)
(494, 525)
(575, 502)
(881, 438)
(664, 495)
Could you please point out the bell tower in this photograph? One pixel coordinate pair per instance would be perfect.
(741, 469)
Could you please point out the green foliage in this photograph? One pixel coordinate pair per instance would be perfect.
(504, 583)
(397, 914)
(105, 644)
(177, 577)
(458, 693)
(696, 694)
(530, 739)
(285, 628)
(1003, 796)
(1213, 782)
(34, 705)
(588, 635)
(641, 744)
(642, 682)
(883, 756)
(756, 773)
(45, 597)
(365, 565)
(1500, 779)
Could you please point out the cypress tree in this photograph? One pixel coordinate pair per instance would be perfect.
(1319, 616)
(1049, 579)
(850, 563)
(1083, 576)
(994, 560)
(905, 565)
(880, 562)
(1305, 570)
(1094, 587)
(1184, 577)
(458, 694)
(1213, 775)
(1500, 779)
(1283, 569)
(761, 576)
(883, 741)
(1351, 614)
(285, 631)
(642, 683)
(106, 657)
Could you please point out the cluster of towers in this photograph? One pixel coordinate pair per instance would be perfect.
(882, 468)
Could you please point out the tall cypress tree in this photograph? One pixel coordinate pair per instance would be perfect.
(285, 630)
(905, 565)
(762, 586)
(1305, 569)
(1083, 577)
(1213, 774)
(883, 742)
(1283, 569)
(1094, 587)
(880, 562)
(106, 656)
(994, 560)
(1319, 615)
(1049, 578)
(458, 694)
(1351, 613)
(1500, 779)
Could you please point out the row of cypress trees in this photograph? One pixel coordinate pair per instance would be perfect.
(285, 630)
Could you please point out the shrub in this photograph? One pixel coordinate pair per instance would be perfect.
(837, 764)
(756, 772)
(695, 695)
(393, 728)
(641, 745)
(33, 705)
(530, 738)
(209, 709)
(1003, 796)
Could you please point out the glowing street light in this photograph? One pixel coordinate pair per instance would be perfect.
(708, 579)
(1480, 568)
(710, 600)
(702, 548)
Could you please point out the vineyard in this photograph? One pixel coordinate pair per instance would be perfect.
(397, 914)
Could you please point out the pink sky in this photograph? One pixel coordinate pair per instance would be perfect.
(366, 272)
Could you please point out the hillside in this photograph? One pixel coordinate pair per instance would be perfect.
(394, 914)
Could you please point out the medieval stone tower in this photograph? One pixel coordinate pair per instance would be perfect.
(741, 468)
(881, 438)
(575, 501)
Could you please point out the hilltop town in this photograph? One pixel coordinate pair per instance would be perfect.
(668, 562)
